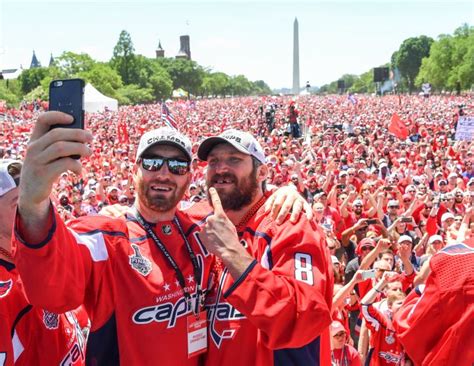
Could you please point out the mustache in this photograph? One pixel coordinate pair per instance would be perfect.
(224, 176)
(162, 181)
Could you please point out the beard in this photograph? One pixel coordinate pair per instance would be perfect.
(241, 195)
(160, 202)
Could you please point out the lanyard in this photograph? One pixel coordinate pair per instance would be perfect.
(174, 265)
(343, 361)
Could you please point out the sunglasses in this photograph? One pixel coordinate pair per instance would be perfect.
(175, 166)
(339, 335)
(366, 248)
(406, 201)
(395, 206)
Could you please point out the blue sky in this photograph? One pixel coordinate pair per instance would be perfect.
(253, 38)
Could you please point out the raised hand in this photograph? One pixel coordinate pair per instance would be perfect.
(284, 200)
(219, 235)
(48, 155)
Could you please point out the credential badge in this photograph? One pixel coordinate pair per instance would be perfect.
(138, 262)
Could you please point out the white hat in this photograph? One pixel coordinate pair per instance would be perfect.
(335, 260)
(164, 136)
(447, 216)
(452, 175)
(403, 238)
(7, 182)
(242, 141)
(434, 238)
(357, 203)
(393, 203)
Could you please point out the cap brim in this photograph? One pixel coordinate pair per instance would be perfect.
(208, 144)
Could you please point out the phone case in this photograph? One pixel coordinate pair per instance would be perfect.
(68, 96)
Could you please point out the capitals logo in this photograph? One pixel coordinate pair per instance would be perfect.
(5, 287)
(169, 312)
(222, 312)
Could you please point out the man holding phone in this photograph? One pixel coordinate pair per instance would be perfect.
(29, 335)
(138, 278)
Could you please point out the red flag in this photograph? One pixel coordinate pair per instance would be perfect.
(398, 127)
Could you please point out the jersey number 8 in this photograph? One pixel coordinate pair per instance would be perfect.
(304, 268)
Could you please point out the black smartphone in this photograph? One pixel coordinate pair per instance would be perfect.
(371, 221)
(68, 96)
(405, 219)
(388, 188)
(341, 186)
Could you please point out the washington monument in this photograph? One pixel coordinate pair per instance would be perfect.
(296, 59)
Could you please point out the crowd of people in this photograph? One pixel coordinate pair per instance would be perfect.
(394, 213)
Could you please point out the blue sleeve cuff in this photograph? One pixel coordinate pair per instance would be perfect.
(48, 237)
(240, 279)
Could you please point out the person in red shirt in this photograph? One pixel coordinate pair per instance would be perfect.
(435, 322)
(142, 278)
(29, 335)
(386, 350)
(342, 353)
(275, 291)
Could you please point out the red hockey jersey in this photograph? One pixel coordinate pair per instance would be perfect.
(33, 336)
(275, 313)
(387, 350)
(436, 326)
(125, 282)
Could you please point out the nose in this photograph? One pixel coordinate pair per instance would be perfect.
(220, 167)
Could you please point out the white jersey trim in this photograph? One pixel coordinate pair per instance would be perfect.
(95, 243)
(17, 347)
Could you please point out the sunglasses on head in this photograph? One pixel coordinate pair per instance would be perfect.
(175, 166)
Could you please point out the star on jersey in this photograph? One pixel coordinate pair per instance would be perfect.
(166, 286)
(190, 279)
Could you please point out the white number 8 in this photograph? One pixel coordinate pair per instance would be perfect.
(304, 268)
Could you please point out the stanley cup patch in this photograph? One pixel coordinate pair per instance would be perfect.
(138, 262)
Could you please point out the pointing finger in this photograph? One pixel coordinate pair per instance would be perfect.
(216, 202)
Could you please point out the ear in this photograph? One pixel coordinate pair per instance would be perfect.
(262, 173)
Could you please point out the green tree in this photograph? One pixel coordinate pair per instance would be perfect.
(104, 78)
(219, 84)
(31, 78)
(240, 85)
(435, 68)
(410, 55)
(70, 64)
(259, 87)
(185, 74)
(124, 59)
(133, 94)
(8, 95)
(152, 75)
(364, 83)
(451, 61)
